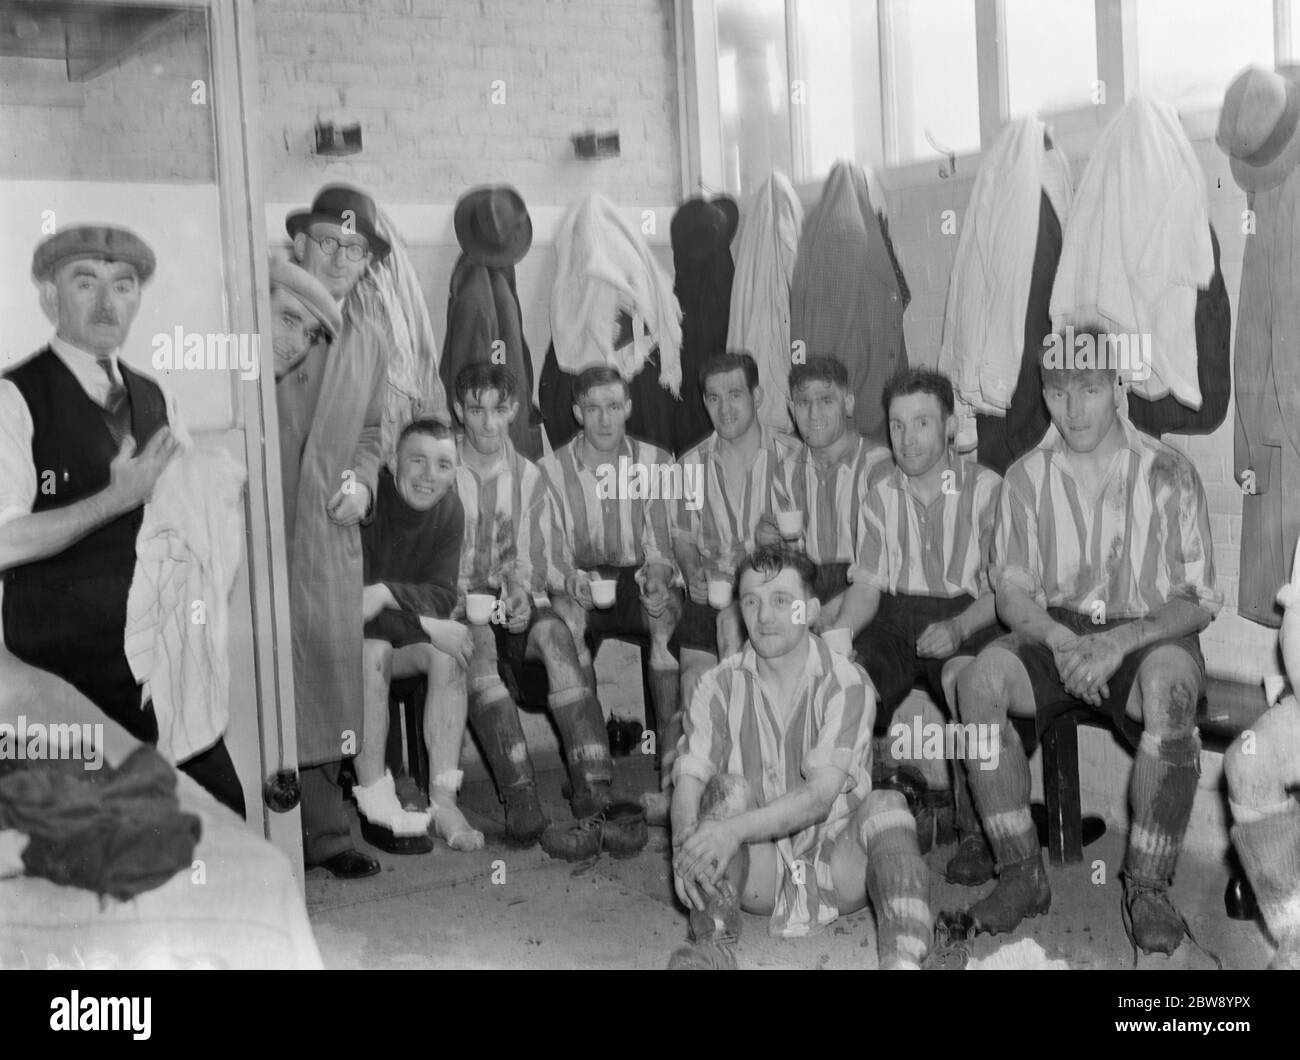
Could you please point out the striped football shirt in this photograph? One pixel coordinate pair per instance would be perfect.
(615, 513)
(830, 497)
(942, 549)
(511, 527)
(733, 726)
(721, 518)
(1143, 541)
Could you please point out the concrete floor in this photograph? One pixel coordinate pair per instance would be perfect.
(499, 908)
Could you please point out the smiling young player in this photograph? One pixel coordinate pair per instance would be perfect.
(411, 551)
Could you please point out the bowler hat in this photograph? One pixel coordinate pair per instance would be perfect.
(1259, 126)
(103, 242)
(493, 226)
(701, 227)
(330, 207)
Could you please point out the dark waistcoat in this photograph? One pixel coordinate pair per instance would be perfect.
(77, 598)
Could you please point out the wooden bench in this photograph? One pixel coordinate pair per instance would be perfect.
(1227, 710)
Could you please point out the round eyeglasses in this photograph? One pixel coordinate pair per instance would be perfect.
(328, 245)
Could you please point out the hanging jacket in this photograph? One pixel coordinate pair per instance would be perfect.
(1137, 245)
(482, 310)
(1213, 368)
(766, 245)
(1004, 439)
(703, 290)
(1267, 380)
(988, 290)
(848, 294)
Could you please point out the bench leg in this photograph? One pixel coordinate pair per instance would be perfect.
(1060, 745)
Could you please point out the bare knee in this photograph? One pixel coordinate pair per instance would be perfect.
(1254, 768)
(726, 795)
(377, 657)
(1170, 690)
(982, 690)
(880, 801)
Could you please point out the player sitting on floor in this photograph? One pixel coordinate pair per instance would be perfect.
(773, 811)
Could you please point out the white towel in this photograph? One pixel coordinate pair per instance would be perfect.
(988, 289)
(603, 266)
(187, 554)
(766, 246)
(1137, 246)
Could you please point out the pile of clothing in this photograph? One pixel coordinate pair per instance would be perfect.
(114, 831)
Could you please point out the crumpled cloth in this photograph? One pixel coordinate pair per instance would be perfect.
(115, 831)
(1023, 955)
(390, 293)
(603, 265)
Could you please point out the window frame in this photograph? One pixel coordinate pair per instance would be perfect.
(1074, 130)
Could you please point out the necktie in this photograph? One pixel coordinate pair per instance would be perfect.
(117, 412)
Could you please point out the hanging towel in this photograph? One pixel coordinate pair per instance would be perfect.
(390, 291)
(766, 245)
(847, 294)
(603, 267)
(188, 551)
(988, 289)
(1137, 245)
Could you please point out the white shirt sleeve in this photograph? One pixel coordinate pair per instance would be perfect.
(17, 472)
(174, 420)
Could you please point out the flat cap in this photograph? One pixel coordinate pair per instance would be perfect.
(103, 242)
(309, 291)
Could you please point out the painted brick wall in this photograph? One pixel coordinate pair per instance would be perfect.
(136, 122)
(1234, 646)
(420, 77)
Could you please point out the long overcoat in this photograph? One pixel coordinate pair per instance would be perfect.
(331, 414)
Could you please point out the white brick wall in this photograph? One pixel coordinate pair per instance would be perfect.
(419, 77)
(132, 123)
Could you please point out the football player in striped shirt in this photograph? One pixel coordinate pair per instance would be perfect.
(1104, 571)
(920, 606)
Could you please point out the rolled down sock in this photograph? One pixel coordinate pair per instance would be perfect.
(1270, 853)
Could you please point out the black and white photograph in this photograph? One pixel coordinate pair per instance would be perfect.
(599, 485)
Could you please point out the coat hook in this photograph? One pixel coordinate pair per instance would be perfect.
(944, 171)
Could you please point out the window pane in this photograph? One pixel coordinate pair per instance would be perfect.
(1051, 54)
(1189, 50)
(753, 91)
(936, 84)
(839, 65)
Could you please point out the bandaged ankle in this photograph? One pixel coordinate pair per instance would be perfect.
(450, 781)
(379, 804)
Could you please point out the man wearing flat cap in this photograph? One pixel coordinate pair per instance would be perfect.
(331, 405)
(83, 439)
